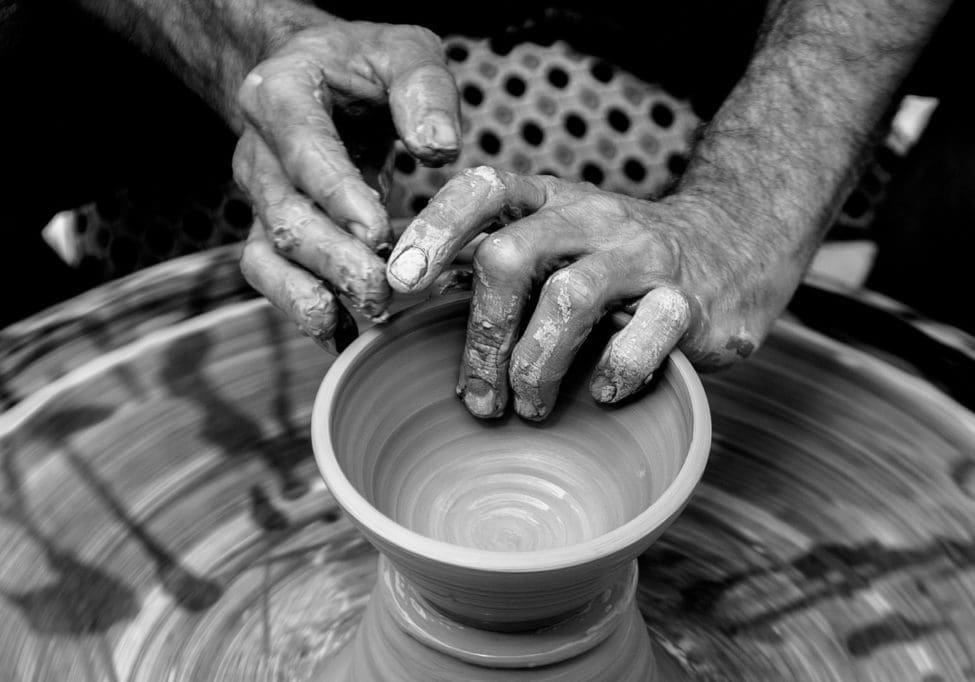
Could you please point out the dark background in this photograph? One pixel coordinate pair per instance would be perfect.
(83, 114)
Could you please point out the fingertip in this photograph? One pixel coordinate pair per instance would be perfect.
(407, 269)
(480, 398)
(363, 212)
(436, 139)
(529, 409)
(602, 388)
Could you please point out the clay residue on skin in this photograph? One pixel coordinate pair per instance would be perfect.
(285, 239)
(741, 346)
(636, 351)
(488, 174)
(318, 316)
(565, 305)
(526, 375)
(359, 275)
(483, 377)
(426, 246)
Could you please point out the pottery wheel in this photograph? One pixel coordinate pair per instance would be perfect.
(162, 518)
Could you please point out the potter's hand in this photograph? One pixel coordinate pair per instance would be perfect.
(317, 102)
(318, 220)
(699, 280)
(711, 265)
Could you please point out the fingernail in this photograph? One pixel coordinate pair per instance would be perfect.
(480, 398)
(437, 132)
(605, 389)
(409, 267)
(528, 409)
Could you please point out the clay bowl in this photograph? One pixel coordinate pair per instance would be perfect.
(507, 524)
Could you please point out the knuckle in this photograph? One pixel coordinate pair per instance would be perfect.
(481, 353)
(318, 315)
(288, 220)
(295, 155)
(503, 255)
(606, 206)
(482, 174)
(257, 92)
(284, 238)
(246, 93)
(264, 99)
(575, 288)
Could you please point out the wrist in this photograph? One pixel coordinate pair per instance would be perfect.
(736, 254)
(254, 30)
(216, 56)
(210, 46)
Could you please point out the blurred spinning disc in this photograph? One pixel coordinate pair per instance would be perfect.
(162, 519)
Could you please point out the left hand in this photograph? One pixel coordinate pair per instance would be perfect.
(318, 128)
(703, 282)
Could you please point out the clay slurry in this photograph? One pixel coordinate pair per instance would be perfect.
(516, 487)
(507, 485)
(518, 501)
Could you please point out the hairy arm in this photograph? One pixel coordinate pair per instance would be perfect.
(210, 44)
(710, 266)
(788, 144)
(318, 102)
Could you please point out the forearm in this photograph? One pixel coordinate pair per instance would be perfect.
(787, 145)
(210, 44)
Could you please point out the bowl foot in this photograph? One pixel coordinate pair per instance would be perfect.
(402, 639)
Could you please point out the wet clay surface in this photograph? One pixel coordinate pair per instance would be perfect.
(408, 445)
(162, 519)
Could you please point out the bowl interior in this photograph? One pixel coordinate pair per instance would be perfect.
(407, 445)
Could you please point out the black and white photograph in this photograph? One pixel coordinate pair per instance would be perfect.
(487, 342)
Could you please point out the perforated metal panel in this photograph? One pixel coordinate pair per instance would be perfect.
(552, 110)
(529, 109)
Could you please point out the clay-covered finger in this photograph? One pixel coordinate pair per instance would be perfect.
(423, 96)
(634, 353)
(298, 230)
(469, 202)
(507, 265)
(289, 106)
(571, 302)
(295, 291)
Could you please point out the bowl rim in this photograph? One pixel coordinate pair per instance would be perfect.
(655, 517)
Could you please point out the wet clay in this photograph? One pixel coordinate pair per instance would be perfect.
(507, 544)
(831, 537)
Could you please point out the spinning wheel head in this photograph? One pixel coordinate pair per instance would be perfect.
(506, 524)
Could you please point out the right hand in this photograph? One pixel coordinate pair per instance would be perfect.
(319, 223)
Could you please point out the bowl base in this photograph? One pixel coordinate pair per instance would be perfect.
(401, 638)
